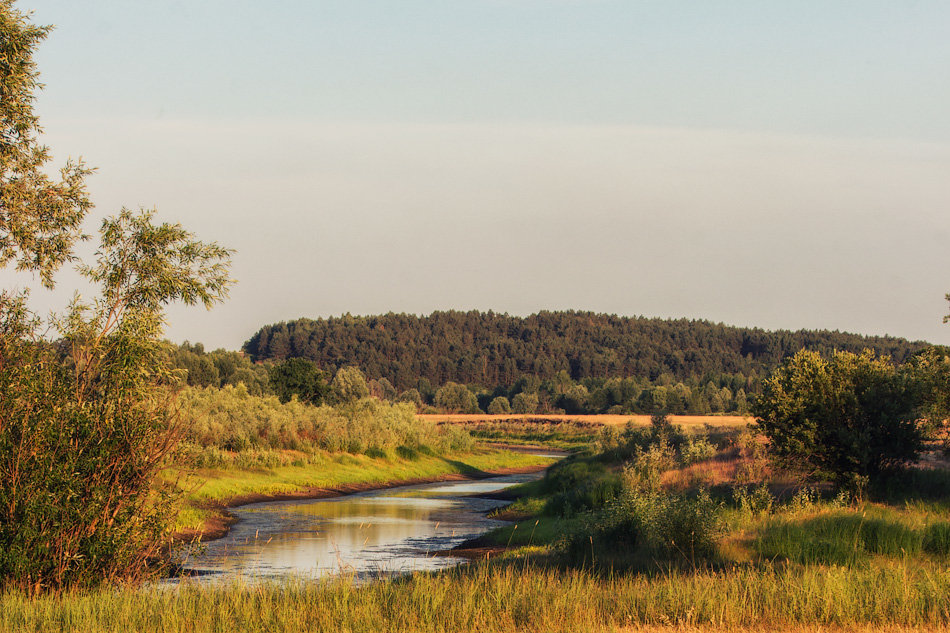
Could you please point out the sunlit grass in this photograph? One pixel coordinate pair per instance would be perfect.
(513, 596)
(211, 488)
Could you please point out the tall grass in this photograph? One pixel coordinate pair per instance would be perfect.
(231, 419)
(511, 597)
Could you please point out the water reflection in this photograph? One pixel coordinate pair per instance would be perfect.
(389, 531)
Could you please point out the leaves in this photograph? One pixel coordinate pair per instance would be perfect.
(40, 217)
(846, 418)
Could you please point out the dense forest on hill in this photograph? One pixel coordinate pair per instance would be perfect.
(495, 351)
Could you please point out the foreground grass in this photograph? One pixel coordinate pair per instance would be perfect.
(210, 490)
(513, 596)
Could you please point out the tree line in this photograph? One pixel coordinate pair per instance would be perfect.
(576, 362)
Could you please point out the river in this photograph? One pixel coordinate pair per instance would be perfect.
(367, 534)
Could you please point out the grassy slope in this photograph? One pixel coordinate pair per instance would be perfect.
(210, 490)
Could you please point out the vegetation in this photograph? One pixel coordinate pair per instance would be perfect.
(679, 541)
(231, 419)
(84, 423)
(300, 378)
(575, 362)
(851, 419)
(511, 596)
(40, 218)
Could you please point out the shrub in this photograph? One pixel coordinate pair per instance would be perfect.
(696, 450)
(753, 500)
(499, 406)
(85, 427)
(849, 419)
(679, 525)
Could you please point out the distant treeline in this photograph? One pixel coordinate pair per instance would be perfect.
(573, 361)
(491, 349)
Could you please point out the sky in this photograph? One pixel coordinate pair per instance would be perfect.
(756, 163)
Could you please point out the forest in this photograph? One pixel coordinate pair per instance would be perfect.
(572, 361)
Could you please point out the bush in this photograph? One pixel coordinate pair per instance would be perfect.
(679, 525)
(499, 406)
(605, 536)
(753, 500)
(85, 426)
(849, 419)
(696, 450)
(232, 419)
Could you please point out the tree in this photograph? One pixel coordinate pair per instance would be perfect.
(849, 419)
(299, 377)
(349, 385)
(40, 218)
(930, 372)
(85, 426)
(524, 403)
(499, 406)
(456, 398)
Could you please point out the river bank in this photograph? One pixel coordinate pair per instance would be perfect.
(213, 493)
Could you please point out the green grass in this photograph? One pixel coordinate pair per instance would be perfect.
(214, 487)
(511, 596)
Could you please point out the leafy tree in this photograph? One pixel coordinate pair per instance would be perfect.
(40, 218)
(849, 419)
(499, 406)
(413, 396)
(85, 427)
(524, 403)
(930, 372)
(299, 377)
(349, 385)
(456, 398)
(382, 389)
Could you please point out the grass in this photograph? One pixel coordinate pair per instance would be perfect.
(513, 596)
(787, 560)
(211, 489)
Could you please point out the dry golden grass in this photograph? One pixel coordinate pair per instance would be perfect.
(685, 421)
(796, 628)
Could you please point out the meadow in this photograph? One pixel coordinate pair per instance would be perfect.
(645, 529)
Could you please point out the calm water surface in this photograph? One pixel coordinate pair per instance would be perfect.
(368, 534)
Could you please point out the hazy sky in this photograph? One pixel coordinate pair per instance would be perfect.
(771, 164)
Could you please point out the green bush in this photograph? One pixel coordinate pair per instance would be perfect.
(696, 450)
(679, 525)
(753, 500)
(850, 419)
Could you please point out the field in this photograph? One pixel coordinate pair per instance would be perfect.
(781, 557)
(686, 421)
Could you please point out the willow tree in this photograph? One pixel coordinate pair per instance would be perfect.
(85, 421)
(40, 217)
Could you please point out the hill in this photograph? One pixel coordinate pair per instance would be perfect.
(496, 350)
